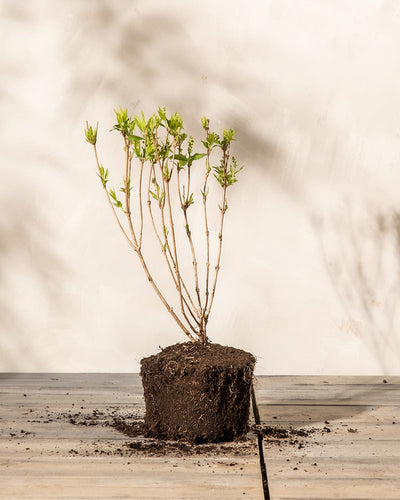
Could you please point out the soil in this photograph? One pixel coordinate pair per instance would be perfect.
(197, 393)
(138, 444)
(131, 424)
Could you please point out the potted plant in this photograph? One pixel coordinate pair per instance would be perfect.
(197, 391)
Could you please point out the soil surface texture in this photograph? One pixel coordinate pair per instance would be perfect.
(133, 426)
(130, 423)
(197, 393)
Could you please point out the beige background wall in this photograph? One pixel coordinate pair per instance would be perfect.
(313, 90)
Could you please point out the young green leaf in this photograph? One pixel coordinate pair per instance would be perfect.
(196, 156)
(91, 133)
(205, 194)
(116, 201)
(141, 122)
(227, 138)
(162, 113)
(167, 173)
(103, 175)
(181, 158)
(205, 122)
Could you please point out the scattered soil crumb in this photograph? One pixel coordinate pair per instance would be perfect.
(289, 436)
(131, 423)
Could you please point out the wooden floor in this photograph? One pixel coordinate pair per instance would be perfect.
(347, 443)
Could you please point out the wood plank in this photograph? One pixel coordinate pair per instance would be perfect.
(359, 458)
(137, 478)
(326, 380)
(361, 394)
(299, 415)
(334, 488)
(43, 456)
(360, 455)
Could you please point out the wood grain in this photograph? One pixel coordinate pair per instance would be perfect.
(43, 456)
(353, 449)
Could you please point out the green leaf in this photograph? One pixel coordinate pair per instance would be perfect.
(190, 145)
(150, 150)
(181, 158)
(103, 175)
(125, 125)
(211, 141)
(122, 116)
(228, 137)
(205, 122)
(205, 194)
(197, 156)
(181, 138)
(136, 147)
(116, 201)
(91, 134)
(162, 113)
(141, 122)
(135, 138)
(167, 173)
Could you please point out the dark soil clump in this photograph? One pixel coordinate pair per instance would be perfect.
(132, 429)
(197, 393)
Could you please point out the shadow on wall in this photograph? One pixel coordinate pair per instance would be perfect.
(31, 274)
(109, 49)
(141, 60)
(360, 247)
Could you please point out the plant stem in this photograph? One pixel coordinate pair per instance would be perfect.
(135, 247)
(141, 203)
(223, 209)
(128, 169)
(165, 249)
(131, 243)
(161, 296)
(207, 232)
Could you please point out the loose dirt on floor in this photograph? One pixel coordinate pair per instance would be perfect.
(132, 426)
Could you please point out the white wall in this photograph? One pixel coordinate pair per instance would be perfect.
(313, 90)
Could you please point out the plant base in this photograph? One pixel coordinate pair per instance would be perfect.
(197, 393)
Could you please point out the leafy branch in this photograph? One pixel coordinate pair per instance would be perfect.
(158, 148)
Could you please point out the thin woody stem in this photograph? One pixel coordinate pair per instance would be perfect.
(131, 243)
(205, 312)
(163, 137)
(141, 203)
(173, 254)
(189, 234)
(161, 296)
(171, 224)
(223, 209)
(142, 261)
(207, 293)
(194, 261)
(183, 201)
(128, 168)
(164, 252)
